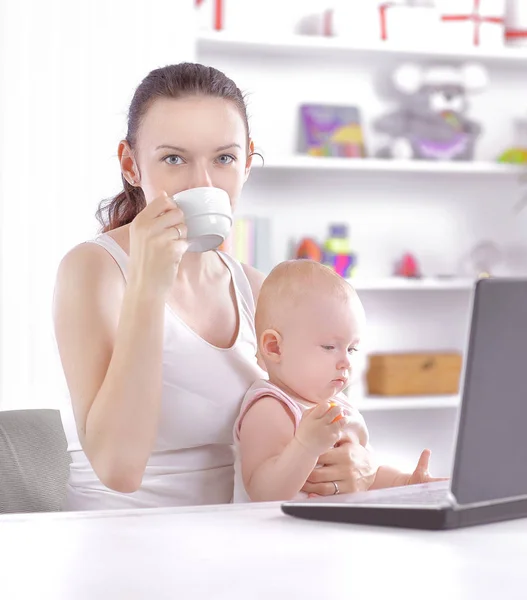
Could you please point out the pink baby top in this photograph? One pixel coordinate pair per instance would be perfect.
(262, 388)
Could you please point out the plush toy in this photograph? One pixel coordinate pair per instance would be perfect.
(432, 123)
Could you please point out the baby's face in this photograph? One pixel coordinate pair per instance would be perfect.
(318, 343)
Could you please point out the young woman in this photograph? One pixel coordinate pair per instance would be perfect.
(157, 345)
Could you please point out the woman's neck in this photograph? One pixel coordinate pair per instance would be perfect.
(195, 267)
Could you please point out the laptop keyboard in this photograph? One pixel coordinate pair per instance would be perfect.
(414, 495)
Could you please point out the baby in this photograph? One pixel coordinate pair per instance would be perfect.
(308, 324)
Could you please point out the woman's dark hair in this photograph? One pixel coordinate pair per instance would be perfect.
(173, 81)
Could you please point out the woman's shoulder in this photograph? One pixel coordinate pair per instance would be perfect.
(93, 254)
(248, 279)
(87, 264)
(86, 255)
(255, 278)
(88, 283)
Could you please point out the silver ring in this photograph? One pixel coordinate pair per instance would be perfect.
(178, 232)
(337, 491)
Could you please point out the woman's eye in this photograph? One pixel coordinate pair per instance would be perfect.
(173, 159)
(226, 159)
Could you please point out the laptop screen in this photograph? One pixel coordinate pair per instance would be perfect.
(491, 453)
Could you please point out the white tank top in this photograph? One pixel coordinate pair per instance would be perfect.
(203, 387)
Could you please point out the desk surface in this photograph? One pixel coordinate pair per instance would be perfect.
(252, 552)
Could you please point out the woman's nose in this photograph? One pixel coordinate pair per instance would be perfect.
(200, 177)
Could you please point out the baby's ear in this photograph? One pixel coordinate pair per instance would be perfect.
(270, 341)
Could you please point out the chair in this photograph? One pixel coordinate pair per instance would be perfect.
(34, 462)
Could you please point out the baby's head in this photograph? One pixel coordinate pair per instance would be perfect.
(308, 323)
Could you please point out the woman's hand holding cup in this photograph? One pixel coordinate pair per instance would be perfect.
(157, 244)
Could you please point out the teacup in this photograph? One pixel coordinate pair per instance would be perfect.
(208, 217)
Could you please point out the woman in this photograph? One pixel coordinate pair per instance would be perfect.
(158, 346)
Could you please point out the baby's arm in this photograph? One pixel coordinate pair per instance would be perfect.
(275, 461)
(387, 476)
(391, 477)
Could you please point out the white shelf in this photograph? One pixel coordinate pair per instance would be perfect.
(402, 284)
(328, 47)
(375, 165)
(378, 403)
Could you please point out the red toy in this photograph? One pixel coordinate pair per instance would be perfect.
(309, 249)
(407, 266)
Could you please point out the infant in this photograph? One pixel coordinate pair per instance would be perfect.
(309, 323)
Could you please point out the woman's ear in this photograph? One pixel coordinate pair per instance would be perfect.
(249, 161)
(270, 346)
(128, 167)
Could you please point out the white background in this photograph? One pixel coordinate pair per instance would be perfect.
(69, 70)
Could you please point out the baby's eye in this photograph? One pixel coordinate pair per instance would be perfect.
(328, 347)
(173, 159)
(226, 159)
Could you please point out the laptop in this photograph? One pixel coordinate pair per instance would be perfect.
(489, 479)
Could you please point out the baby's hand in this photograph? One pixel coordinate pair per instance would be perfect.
(421, 474)
(320, 427)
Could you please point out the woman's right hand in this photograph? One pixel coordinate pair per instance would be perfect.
(157, 244)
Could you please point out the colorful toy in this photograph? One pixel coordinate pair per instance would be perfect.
(517, 153)
(337, 251)
(514, 156)
(309, 249)
(331, 131)
(431, 123)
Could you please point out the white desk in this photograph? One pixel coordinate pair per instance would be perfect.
(252, 553)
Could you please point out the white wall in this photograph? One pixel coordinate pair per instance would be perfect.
(69, 70)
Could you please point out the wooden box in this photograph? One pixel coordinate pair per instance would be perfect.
(413, 374)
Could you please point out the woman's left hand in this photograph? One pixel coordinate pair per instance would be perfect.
(347, 468)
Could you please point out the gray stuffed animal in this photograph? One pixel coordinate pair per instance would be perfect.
(432, 122)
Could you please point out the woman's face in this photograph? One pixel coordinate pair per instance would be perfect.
(191, 142)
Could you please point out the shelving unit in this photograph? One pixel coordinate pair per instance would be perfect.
(417, 285)
(377, 403)
(372, 165)
(333, 48)
(393, 206)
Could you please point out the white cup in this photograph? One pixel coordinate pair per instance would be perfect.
(208, 217)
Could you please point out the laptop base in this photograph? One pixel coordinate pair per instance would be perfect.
(426, 518)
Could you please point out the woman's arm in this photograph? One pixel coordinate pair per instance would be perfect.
(110, 341)
(353, 467)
